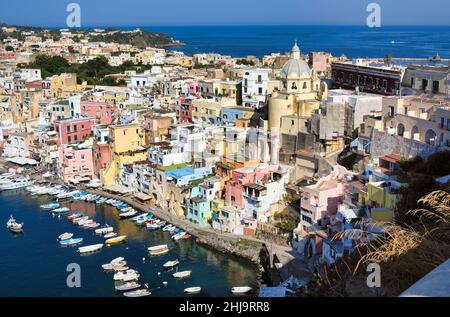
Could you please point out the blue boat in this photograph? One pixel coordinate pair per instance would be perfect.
(70, 242)
(50, 206)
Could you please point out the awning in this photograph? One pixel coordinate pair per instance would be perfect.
(142, 196)
(22, 161)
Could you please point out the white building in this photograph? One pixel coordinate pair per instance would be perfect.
(16, 146)
(254, 87)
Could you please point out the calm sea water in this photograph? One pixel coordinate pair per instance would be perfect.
(34, 264)
(354, 41)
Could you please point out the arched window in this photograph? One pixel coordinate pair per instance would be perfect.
(294, 86)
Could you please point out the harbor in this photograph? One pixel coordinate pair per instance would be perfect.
(40, 261)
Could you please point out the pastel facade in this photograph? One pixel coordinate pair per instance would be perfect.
(75, 164)
(104, 113)
(73, 130)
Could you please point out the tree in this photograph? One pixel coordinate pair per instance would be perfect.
(9, 48)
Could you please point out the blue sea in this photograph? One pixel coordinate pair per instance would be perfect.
(34, 264)
(353, 41)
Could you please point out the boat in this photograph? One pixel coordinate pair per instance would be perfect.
(75, 216)
(182, 274)
(138, 293)
(172, 229)
(86, 221)
(110, 235)
(115, 240)
(13, 226)
(70, 242)
(143, 221)
(127, 276)
(50, 206)
(435, 58)
(65, 236)
(171, 264)
(126, 209)
(139, 217)
(118, 260)
(80, 219)
(119, 267)
(90, 248)
(167, 228)
(95, 183)
(241, 289)
(15, 183)
(186, 236)
(127, 286)
(156, 226)
(104, 230)
(67, 194)
(60, 210)
(158, 250)
(193, 290)
(128, 214)
(116, 264)
(179, 236)
(91, 225)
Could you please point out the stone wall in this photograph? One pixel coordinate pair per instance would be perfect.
(383, 144)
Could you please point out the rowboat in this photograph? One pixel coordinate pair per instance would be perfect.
(143, 221)
(241, 289)
(138, 293)
(82, 222)
(70, 242)
(158, 250)
(50, 206)
(139, 217)
(91, 225)
(127, 286)
(117, 262)
(90, 248)
(193, 290)
(182, 274)
(74, 216)
(179, 236)
(60, 210)
(128, 214)
(115, 240)
(156, 226)
(110, 235)
(65, 236)
(106, 229)
(127, 276)
(80, 219)
(171, 264)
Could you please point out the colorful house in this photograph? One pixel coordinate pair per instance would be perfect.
(103, 112)
(75, 164)
(73, 130)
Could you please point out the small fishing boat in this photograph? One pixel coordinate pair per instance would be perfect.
(92, 225)
(139, 217)
(75, 216)
(115, 240)
(67, 194)
(85, 221)
(104, 230)
(158, 250)
(110, 235)
(127, 276)
(50, 206)
(193, 290)
(90, 248)
(168, 227)
(138, 293)
(13, 226)
(127, 286)
(241, 289)
(182, 274)
(60, 210)
(118, 260)
(70, 242)
(186, 236)
(156, 226)
(171, 264)
(178, 236)
(143, 221)
(65, 236)
(128, 214)
(80, 219)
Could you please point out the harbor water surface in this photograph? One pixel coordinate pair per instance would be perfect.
(34, 264)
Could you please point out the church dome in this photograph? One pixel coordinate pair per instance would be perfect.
(296, 67)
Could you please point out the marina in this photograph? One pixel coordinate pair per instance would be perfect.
(198, 267)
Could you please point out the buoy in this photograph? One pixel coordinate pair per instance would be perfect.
(143, 260)
(159, 273)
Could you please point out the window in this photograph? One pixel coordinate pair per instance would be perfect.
(260, 91)
(69, 139)
(259, 78)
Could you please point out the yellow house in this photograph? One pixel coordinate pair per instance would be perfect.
(61, 85)
(128, 145)
(208, 110)
(381, 199)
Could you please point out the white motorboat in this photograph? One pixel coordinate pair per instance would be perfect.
(65, 236)
(60, 210)
(127, 276)
(193, 290)
(182, 274)
(67, 194)
(50, 206)
(110, 235)
(13, 226)
(138, 293)
(128, 214)
(71, 241)
(158, 250)
(91, 225)
(178, 236)
(241, 289)
(90, 248)
(120, 266)
(15, 183)
(141, 216)
(117, 260)
(127, 286)
(115, 240)
(106, 229)
(171, 264)
(80, 219)
(126, 209)
(82, 222)
(44, 190)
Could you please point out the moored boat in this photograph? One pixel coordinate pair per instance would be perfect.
(182, 274)
(171, 264)
(65, 236)
(110, 235)
(75, 216)
(127, 286)
(138, 293)
(106, 229)
(241, 289)
(158, 250)
(115, 240)
(127, 276)
(193, 290)
(70, 242)
(13, 226)
(50, 206)
(60, 210)
(90, 248)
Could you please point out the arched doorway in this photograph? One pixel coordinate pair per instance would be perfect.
(415, 133)
(400, 129)
(430, 137)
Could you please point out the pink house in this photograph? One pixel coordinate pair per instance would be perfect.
(323, 198)
(75, 164)
(234, 192)
(73, 130)
(103, 112)
(194, 88)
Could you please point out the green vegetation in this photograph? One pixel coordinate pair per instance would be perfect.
(249, 244)
(243, 61)
(141, 39)
(286, 225)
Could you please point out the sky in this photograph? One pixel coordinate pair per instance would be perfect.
(113, 13)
